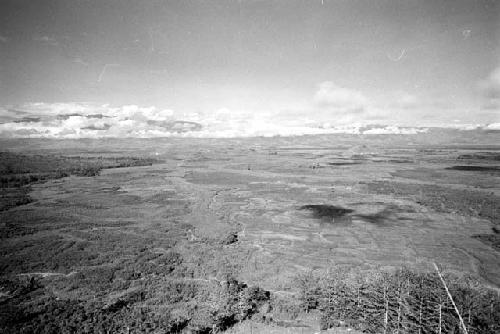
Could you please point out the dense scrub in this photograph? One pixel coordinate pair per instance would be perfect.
(17, 170)
(158, 299)
(493, 156)
(15, 163)
(10, 198)
(399, 302)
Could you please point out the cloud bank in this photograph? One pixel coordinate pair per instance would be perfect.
(84, 120)
(333, 109)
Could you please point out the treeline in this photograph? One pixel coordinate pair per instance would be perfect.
(16, 163)
(480, 156)
(19, 180)
(400, 302)
(17, 170)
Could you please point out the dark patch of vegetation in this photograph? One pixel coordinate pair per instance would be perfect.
(229, 239)
(70, 316)
(91, 170)
(17, 171)
(20, 180)
(402, 301)
(475, 168)
(146, 293)
(164, 305)
(121, 162)
(480, 156)
(10, 198)
(14, 163)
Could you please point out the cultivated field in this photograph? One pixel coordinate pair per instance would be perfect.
(269, 235)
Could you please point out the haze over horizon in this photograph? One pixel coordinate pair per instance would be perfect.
(239, 68)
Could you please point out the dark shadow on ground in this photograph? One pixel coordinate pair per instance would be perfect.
(329, 213)
(381, 218)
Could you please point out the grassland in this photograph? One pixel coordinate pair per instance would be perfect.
(295, 234)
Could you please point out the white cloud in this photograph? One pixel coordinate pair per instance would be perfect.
(340, 99)
(493, 126)
(3, 39)
(490, 91)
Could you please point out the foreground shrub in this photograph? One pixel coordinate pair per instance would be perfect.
(401, 302)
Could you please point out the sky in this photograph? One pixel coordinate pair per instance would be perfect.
(229, 68)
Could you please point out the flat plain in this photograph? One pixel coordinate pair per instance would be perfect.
(161, 241)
